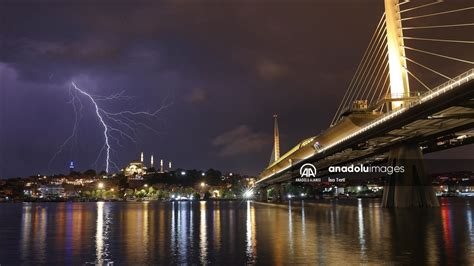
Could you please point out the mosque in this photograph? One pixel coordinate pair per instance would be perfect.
(137, 168)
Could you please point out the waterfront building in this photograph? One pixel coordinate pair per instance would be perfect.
(51, 191)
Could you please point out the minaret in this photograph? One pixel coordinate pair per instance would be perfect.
(141, 157)
(396, 54)
(161, 166)
(169, 165)
(276, 135)
(151, 161)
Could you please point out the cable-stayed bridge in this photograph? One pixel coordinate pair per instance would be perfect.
(410, 94)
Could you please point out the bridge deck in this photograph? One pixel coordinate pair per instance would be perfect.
(436, 121)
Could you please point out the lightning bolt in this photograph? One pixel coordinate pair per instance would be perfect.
(116, 125)
(101, 119)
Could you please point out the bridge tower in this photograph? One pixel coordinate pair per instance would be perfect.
(276, 138)
(413, 187)
(399, 87)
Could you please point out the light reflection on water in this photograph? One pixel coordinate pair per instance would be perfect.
(355, 231)
(202, 233)
(251, 240)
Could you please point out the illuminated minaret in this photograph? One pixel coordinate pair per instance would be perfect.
(396, 53)
(151, 161)
(141, 157)
(276, 135)
(169, 165)
(161, 166)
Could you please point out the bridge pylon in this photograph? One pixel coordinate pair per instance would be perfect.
(412, 187)
(399, 87)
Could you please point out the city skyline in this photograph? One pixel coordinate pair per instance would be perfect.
(176, 51)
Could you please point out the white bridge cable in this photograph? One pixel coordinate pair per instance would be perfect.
(404, 2)
(356, 85)
(380, 42)
(378, 83)
(417, 79)
(438, 13)
(384, 102)
(439, 26)
(383, 86)
(428, 68)
(440, 55)
(372, 81)
(373, 43)
(421, 6)
(359, 67)
(439, 40)
(375, 61)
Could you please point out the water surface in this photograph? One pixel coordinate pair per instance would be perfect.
(140, 233)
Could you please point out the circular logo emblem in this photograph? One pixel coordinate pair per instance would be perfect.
(308, 170)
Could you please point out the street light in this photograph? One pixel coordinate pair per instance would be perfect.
(248, 193)
(203, 184)
(183, 173)
(146, 185)
(100, 185)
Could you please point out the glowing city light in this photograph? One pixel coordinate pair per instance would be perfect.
(100, 185)
(248, 194)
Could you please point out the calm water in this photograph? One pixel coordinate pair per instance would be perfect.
(351, 232)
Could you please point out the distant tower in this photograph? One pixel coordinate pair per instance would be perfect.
(161, 166)
(71, 166)
(276, 144)
(141, 157)
(169, 165)
(151, 161)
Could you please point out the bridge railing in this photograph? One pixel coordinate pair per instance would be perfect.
(447, 86)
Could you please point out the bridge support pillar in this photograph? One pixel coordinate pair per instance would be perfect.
(279, 192)
(412, 187)
(263, 194)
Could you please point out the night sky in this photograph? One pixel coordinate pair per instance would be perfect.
(225, 69)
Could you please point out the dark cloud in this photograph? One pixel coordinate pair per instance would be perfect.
(241, 140)
(269, 70)
(255, 58)
(197, 95)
